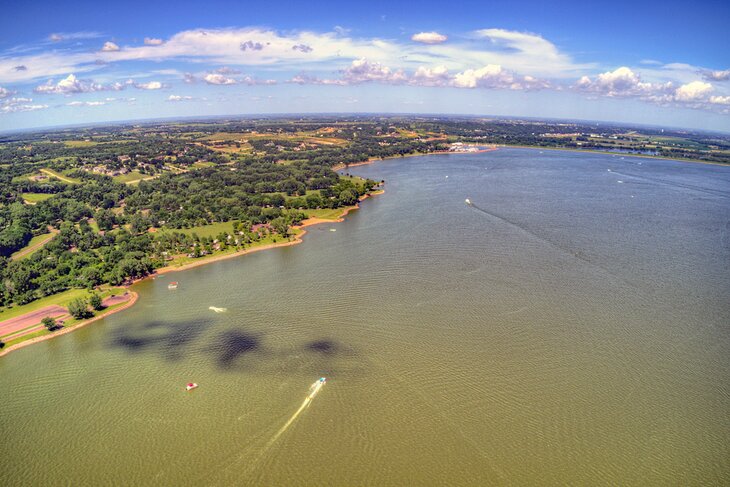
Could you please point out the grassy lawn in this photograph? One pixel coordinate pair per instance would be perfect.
(80, 143)
(204, 230)
(61, 299)
(38, 240)
(36, 197)
(60, 176)
(130, 177)
(325, 213)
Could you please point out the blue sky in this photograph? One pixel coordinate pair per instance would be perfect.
(663, 63)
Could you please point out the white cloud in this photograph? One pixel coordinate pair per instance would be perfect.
(151, 85)
(720, 100)
(436, 76)
(361, 71)
(151, 41)
(86, 103)
(179, 98)
(70, 85)
(494, 76)
(524, 53)
(4, 92)
(55, 37)
(717, 75)
(694, 91)
(109, 47)
(13, 105)
(429, 37)
(622, 82)
(218, 79)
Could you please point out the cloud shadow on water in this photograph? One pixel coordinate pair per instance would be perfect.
(233, 345)
(167, 338)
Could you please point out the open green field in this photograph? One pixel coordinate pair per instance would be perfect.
(325, 213)
(57, 175)
(36, 197)
(131, 177)
(80, 143)
(204, 230)
(61, 299)
(37, 241)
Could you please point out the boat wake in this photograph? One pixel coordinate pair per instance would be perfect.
(218, 310)
(313, 391)
(576, 254)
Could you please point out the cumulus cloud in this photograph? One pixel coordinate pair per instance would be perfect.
(622, 82)
(720, 100)
(151, 41)
(302, 48)
(69, 85)
(109, 47)
(13, 105)
(218, 79)
(694, 91)
(179, 98)
(150, 85)
(493, 76)
(362, 71)
(189, 78)
(717, 75)
(427, 76)
(5, 93)
(429, 37)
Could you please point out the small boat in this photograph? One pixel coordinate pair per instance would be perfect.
(172, 285)
(191, 386)
(323, 380)
(333, 229)
(468, 201)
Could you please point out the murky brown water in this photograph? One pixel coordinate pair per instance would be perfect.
(566, 329)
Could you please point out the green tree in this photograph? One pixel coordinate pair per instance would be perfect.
(78, 309)
(49, 323)
(95, 302)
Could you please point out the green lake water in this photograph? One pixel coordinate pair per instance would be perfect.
(570, 327)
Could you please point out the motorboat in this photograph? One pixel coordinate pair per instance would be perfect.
(191, 386)
(172, 285)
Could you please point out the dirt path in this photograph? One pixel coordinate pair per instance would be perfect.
(55, 175)
(35, 247)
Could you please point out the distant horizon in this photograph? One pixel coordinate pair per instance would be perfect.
(315, 115)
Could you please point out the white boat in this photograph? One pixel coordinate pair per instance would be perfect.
(468, 201)
(191, 386)
(172, 285)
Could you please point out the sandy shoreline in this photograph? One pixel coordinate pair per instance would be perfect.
(63, 331)
(297, 239)
(164, 270)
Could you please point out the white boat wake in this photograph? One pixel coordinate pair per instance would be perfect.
(218, 310)
(313, 391)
